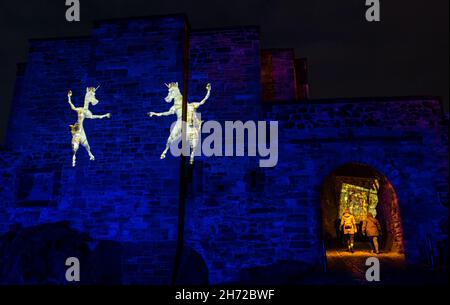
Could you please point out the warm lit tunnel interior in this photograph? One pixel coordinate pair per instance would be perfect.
(362, 190)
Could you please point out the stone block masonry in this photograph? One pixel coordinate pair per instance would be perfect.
(242, 223)
(278, 75)
(127, 194)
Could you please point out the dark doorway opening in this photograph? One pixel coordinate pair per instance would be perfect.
(362, 189)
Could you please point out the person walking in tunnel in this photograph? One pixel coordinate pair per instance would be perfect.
(348, 226)
(372, 229)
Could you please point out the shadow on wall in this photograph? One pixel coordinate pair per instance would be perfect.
(193, 270)
(37, 255)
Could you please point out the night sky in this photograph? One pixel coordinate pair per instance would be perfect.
(404, 54)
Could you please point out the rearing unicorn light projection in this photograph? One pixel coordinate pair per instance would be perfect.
(193, 123)
(77, 130)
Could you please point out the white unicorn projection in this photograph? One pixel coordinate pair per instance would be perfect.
(193, 123)
(77, 130)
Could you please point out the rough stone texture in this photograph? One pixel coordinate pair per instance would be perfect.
(242, 222)
(400, 138)
(217, 224)
(100, 261)
(278, 75)
(301, 78)
(127, 194)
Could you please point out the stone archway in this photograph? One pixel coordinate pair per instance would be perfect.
(381, 197)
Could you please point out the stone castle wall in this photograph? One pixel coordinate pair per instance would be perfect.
(241, 220)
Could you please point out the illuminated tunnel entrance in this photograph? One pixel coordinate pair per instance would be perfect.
(362, 190)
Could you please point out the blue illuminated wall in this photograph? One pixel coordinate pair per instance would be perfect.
(127, 194)
(243, 223)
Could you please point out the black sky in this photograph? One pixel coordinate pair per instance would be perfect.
(404, 54)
